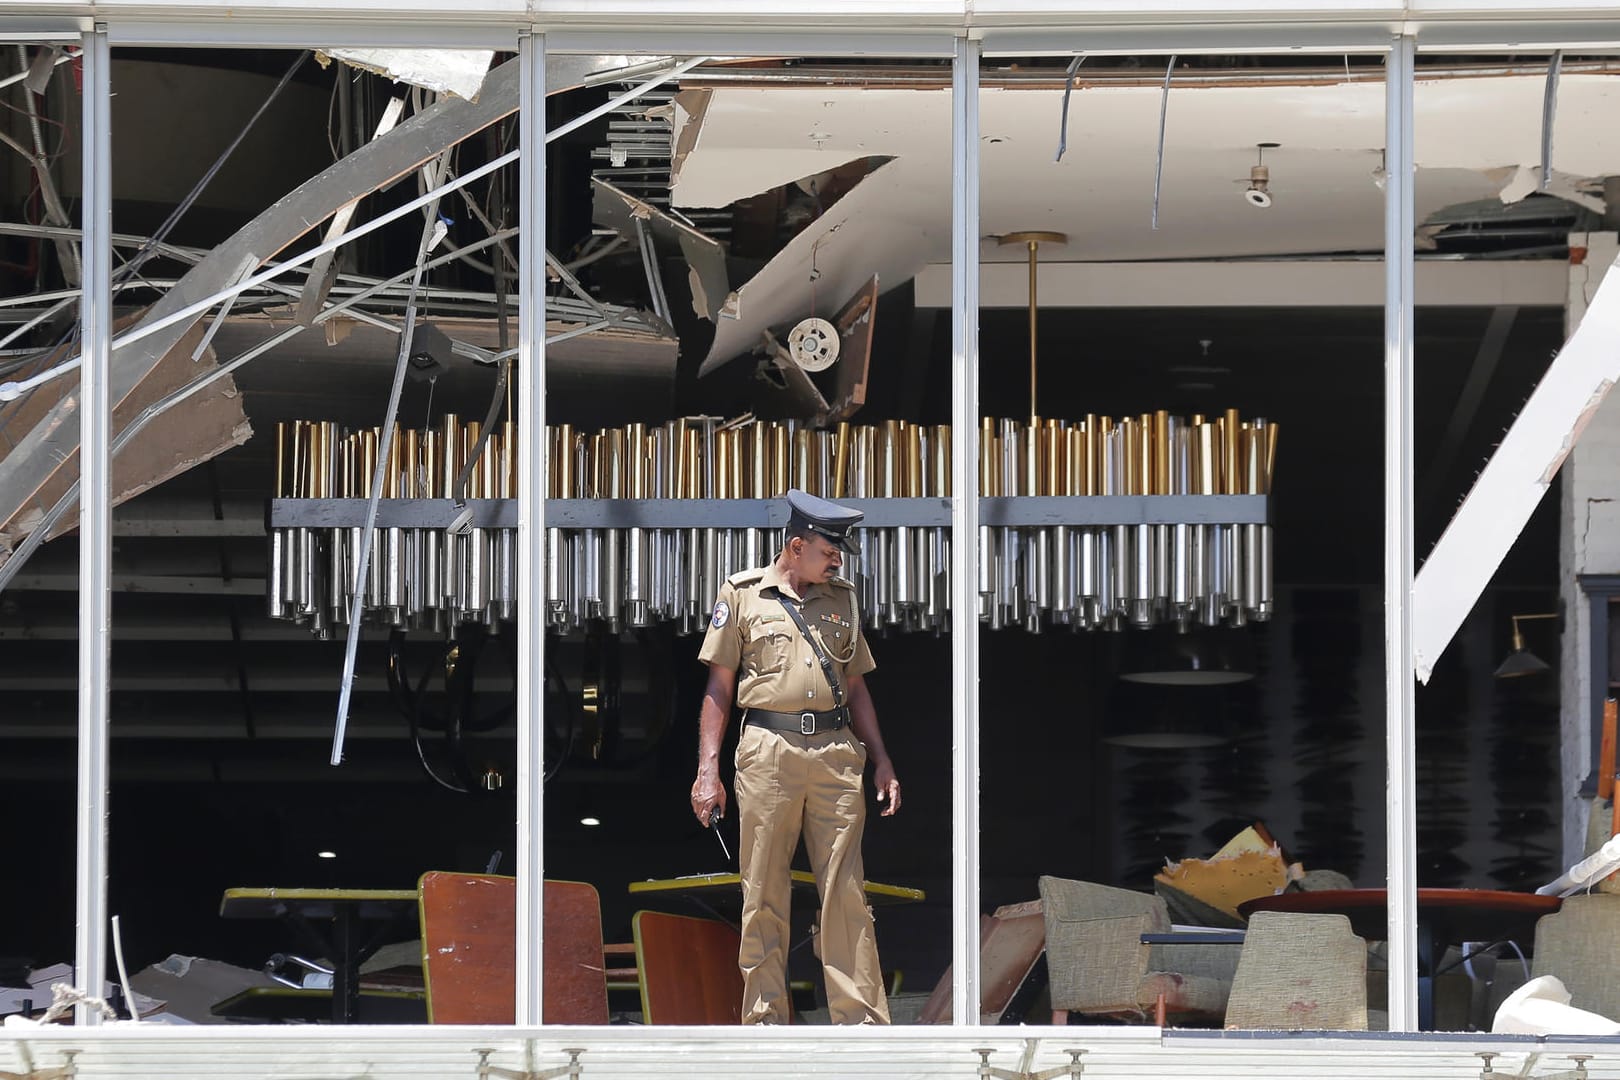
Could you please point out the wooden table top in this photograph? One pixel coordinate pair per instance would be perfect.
(1453, 915)
(274, 903)
(721, 885)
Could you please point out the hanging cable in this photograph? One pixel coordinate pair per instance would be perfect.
(1164, 107)
(433, 231)
(1068, 88)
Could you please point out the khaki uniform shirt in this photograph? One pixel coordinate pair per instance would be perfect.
(776, 668)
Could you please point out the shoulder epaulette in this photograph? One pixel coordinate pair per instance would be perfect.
(842, 582)
(746, 577)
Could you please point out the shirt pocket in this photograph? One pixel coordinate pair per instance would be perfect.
(769, 648)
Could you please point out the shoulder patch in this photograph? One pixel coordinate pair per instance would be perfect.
(722, 614)
(746, 577)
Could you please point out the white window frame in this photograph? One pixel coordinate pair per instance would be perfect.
(581, 26)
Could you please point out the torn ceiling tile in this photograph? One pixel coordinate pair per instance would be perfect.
(875, 230)
(449, 71)
(705, 258)
(211, 423)
(1526, 180)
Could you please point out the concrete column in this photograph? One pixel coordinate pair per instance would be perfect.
(1589, 543)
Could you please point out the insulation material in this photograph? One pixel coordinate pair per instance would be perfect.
(1222, 883)
(449, 71)
(1517, 476)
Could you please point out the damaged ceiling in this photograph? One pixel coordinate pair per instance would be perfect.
(1477, 138)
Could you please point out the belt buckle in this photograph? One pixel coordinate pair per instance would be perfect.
(807, 723)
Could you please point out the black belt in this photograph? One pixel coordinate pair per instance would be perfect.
(805, 723)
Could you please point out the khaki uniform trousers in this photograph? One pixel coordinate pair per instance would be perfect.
(787, 782)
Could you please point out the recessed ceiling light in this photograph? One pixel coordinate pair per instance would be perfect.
(588, 820)
(326, 854)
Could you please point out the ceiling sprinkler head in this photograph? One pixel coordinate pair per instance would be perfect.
(1258, 193)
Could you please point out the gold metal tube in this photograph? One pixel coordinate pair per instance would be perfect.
(1074, 461)
(412, 461)
(722, 465)
(1030, 467)
(281, 458)
(615, 471)
(804, 471)
(635, 443)
(567, 483)
(914, 461)
(1091, 484)
(1056, 447)
(1161, 452)
(490, 463)
(942, 460)
(1230, 428)
(1271, 455)
(449, 454)
(840, 469)
(988, 473)
(781, 459)
(469, 439)
(509, 475)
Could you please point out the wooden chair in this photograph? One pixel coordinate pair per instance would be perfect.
(469, 953)
(688, 967)
(1010, 944)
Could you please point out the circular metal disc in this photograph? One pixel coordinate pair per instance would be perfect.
(813, 344)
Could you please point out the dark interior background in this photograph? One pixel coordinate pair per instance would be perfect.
(221, 717)
(192, 817)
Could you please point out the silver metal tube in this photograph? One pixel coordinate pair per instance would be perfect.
(638, 573)
(431, 554)
(612, 578)
(503, 574)
(276, 596)
(557, 577)
(475, 588)
(1180, 568)
(988, 568)
(902, 570)
(393, 572)
(1062, 569)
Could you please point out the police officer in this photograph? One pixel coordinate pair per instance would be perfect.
(785, 640)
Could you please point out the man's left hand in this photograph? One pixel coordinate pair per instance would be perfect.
(888, 788)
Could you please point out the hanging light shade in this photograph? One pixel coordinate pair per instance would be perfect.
(1206, 656)
(1143, 716)
(1521, 661)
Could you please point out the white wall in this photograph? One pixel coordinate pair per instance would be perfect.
(1589, 543)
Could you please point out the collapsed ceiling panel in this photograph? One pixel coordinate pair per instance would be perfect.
(1475, 137)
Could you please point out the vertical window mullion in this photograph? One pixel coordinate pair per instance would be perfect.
(1399, 690)
(532, 471)
(965, 530)
(95, 522)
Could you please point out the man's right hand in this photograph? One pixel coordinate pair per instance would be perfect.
(708, 795)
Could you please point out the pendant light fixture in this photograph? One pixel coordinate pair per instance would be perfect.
(1033, 241)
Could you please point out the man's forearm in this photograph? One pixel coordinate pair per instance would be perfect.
(713, 718)
(863, 718)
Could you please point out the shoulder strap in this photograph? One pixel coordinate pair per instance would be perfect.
(827, 667)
